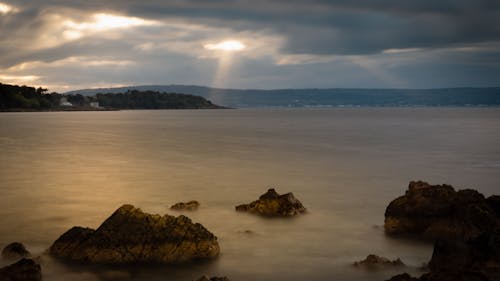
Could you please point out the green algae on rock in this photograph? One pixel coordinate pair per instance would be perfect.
(131, 236)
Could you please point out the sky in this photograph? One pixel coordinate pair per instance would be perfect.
(74, 44)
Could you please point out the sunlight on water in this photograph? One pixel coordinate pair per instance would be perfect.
(58, 170)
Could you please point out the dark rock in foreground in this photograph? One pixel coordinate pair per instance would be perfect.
(131, 236)
(375, 262)
(479, 255)
(438, 211)
(206, 278)
(273, 204)
(188, 206)
(466, 227)
(454, 260)
(494, 202)
(15, 250)
(444, 276)
(23, 270)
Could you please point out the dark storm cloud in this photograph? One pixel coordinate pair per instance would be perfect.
(347, 27)
(325, 27)
(303, 43)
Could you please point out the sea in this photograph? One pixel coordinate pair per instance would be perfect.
(64, 169)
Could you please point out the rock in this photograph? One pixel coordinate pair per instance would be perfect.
(455, 260)
(466, 227)
(443, 276)
(454, 276)
(206, 278)
(403, 277)
(23, 270)
(374, 262)
(14, 251)
(131, 236)
(481, 254)
(438, 211)
(494, 202)
(272, 204)
(188, 206)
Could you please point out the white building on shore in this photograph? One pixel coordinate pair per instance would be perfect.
(64, 102)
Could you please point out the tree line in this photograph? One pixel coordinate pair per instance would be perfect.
(13, 96)
(24, 97)
(152, 100)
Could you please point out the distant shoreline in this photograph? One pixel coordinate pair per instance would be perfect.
(55, 109)
(77, 109)
(256, 108)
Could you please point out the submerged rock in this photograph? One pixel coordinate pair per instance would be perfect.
(374, 262)
(188, 206)
(15, 250)
(273, 204)
(131, 236)
(23, 270)
(438, 211)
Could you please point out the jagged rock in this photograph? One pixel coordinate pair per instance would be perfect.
(131, 236)
(23, 270)
(15, 250)
(273, 204)
(206, 278)
(189, 206)
(374, 262)
(438, 211)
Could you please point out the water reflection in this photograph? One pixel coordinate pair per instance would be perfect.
(58, 170)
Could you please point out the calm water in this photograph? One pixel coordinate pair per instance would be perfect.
(61, 169)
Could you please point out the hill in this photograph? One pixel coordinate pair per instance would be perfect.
(334, 97)
(24, 98)
(152, 100)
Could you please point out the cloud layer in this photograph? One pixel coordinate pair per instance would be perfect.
(67, 44)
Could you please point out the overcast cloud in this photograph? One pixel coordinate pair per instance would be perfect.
(69, 44)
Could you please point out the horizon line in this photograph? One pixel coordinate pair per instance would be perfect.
(282, 89)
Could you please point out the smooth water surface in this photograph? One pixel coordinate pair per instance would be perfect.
(63, 169)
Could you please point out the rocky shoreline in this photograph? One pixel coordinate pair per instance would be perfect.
(464, 225)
